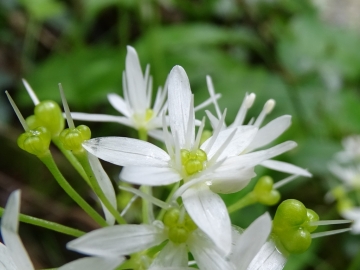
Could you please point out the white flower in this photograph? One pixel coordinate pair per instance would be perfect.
(13, 256)
(265, 134)
(215, 166)
(351, 150)
(112, 243)
(353, 214)
(349, 175)
(252, 250)
(136, 104)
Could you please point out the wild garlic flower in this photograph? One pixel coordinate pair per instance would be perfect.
(13, 256)
(264, 136)
(351, 152)
(111, 243)
(214, 166)
(136, 104)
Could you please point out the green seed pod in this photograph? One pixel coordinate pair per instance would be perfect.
(265, 193)
(178, 234)
(171, 217)
(269, 198)
(33, 122)
(50, 115)
(296, 241)
(189, 223)
(72, 138)
(290, 213)
(312, 216)
(185, 154)
(35, 141)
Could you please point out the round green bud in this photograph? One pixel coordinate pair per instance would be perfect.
(264, 191)
(189, 224)
(171, 217)
(311, 216)
(50, 115)
(296, 241)
(72, 138)
(185, 155)
(193, 166)
(178, 234)
(35, 141)
(265, 183)
(33, 122)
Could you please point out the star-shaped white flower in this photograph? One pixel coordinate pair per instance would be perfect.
(136, 104)
(111, 243)
(13, 256)
(265, 134)
(215, 166)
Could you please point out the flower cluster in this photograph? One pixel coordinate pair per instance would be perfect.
(191, 229)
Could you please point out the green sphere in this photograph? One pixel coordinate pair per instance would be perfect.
(50, 115)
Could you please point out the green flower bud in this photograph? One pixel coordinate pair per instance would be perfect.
(265, 193)
(50, 115)
(296, 241)
(33, 122)
(311, 217)
(72, 138)
(35, 141)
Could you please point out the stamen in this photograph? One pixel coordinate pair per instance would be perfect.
(195, 181)
(268, 107)
(148, 197)
(190, 129)
(223, 146)
(206, 103)
(66, 108)
(247, 103)
(31, 92)
(211, 90)
(130, 203)
(284, 181)
(329, 222)
(198, 136)
(216, 132)
(17, 111)
(322, 234)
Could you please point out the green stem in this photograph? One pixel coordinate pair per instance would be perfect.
(248, 199)
(143, 135)
(48, 160)
(47, 224)
(83, 159)
(146, 205)
(71, 158)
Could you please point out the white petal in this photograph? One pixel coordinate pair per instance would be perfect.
(119, 104)
(206, 254)
(179, 99)
(9, 231)
(135, 81)
(127, 152)
(105, 185)
(172, 255)
(118, 240)
(149, 176)
(226, 181)
(102, 118)
(285, 167)
(268, 258)
(353, 214)
(242, 138)
(209, 213)
(6, 262)
(157, 134)
(249, 243)
(93, 263)
(270, 132)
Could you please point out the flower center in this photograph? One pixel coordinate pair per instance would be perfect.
(193, 161)
(179, 227)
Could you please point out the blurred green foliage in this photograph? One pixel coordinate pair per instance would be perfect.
(278, 49)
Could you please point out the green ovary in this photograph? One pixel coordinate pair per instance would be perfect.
(193, 161)
(291, 226)
(178, 230)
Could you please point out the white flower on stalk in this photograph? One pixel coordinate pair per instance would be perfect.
(136, 104)
(265, 134)
(215, 166)
(13, 256)
(115, 242)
